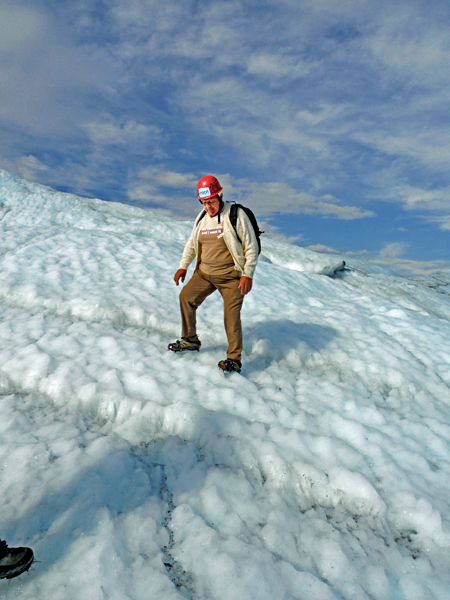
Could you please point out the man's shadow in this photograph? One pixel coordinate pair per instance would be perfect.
(273, 340)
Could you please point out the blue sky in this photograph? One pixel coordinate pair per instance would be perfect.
(329, 118)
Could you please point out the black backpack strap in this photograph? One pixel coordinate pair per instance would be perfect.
(233, 219)
(251, 217)
(200, 218)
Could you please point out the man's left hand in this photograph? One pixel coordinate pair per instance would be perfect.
(245, 285)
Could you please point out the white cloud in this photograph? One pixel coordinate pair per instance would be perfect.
(346, 213)
(274, 197)
(430, 147)
(417, 198)
(275, 233)
(410, 268)
(28, 167)
(415, 45)
(20, 26)
(443, 222)
(149, 195)
(324, 112)
(393, 250)
(145, 193)
(254, 123)
(49, 81)
(277, 65)
(392, 256)
(322, 249)
(134, 16)
(159, 31)
(169, 178)
(436, 200)
(114, 133)
(263, 198)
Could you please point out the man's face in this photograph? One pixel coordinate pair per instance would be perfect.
(212, 206)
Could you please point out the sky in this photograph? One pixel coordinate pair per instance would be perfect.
(328, 118)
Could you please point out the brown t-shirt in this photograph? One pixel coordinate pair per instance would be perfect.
(215, 258)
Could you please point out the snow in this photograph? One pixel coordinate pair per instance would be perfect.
(319, 473)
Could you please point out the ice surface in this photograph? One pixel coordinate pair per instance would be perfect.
(320, 473)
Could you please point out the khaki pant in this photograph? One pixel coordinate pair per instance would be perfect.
(199, 287)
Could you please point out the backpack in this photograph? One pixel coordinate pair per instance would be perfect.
(233, 221)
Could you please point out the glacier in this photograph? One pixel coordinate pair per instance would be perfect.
(321, 472)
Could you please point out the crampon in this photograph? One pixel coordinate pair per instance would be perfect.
(229, 365)
(189, 343)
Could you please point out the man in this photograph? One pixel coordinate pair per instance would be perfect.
(225, 261)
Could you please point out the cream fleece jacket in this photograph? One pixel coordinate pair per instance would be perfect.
(245, 255)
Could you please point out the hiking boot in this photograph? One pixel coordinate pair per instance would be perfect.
(230, 365)
(187, 343)
(14, 561)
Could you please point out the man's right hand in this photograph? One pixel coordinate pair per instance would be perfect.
(180, 274)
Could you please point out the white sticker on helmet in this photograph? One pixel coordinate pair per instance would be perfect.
(203, 192)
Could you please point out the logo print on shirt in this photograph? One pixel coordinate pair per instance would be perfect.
(212, 231)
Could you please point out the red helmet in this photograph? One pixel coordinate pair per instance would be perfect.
(208, 187)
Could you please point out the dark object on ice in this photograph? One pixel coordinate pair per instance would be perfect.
(228, 365)
(189, 343)
(14, 561)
